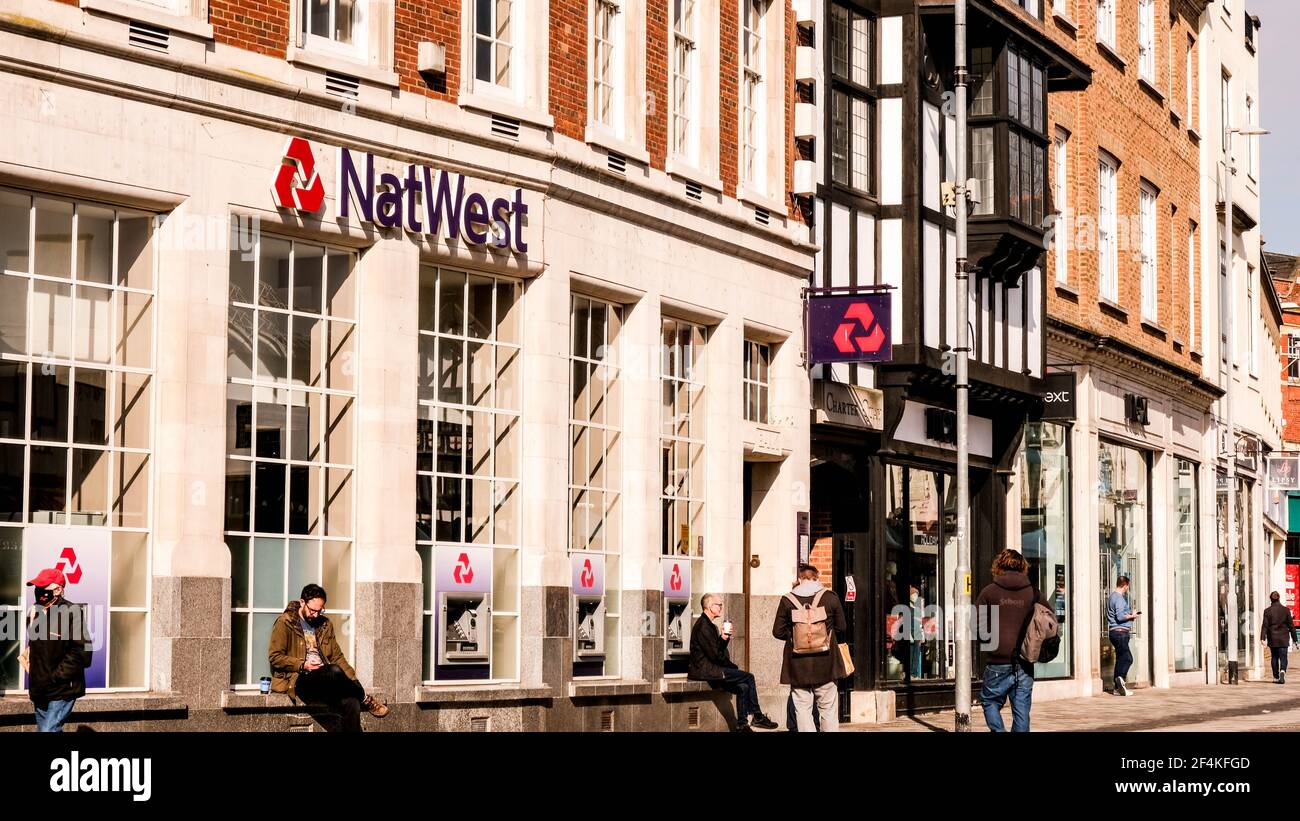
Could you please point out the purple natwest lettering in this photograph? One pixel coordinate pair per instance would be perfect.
(429, 202)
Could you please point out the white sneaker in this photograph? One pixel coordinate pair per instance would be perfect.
(1121, 689)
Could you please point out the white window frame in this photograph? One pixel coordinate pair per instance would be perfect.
(358, 49)
(1106, 22)
(1225, 111)
(1147, 203)
(1293, 358)
(510, 90)
(757, 374)
(753, 94)
(1191, 285)
(1191, 77)
(608, 75)
(684, 81)
(1252, 155)
(1147, 40)
(1061, 192)
(1107, 228)
(1253, 320)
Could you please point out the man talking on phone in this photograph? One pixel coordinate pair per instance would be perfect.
(1119, 615)
(711, 662)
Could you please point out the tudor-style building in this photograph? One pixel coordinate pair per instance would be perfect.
(883, 477)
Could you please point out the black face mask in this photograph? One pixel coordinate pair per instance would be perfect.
(44, 595)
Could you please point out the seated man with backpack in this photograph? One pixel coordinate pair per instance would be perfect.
(809, 619)
(1027, 632)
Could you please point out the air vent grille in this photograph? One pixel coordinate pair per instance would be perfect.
(341, 85)
(617, 163)
(505, 127)
(694, 191)
(143, 35)
(762, 216)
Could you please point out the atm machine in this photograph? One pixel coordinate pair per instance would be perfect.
(466, 636)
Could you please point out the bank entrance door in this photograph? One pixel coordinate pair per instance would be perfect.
(1123, 548)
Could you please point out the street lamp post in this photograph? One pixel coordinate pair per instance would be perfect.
(961, 593)
(1227, 319)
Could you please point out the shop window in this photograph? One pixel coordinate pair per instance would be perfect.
(1044, 479)
(290, 438)
(756, 381)
(467, 472)
(1123, 519)
(1186, 540)
(595, 472)
(76, 408)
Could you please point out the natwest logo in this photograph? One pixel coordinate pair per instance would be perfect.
(68, 564)
(843, 327)
(463, 573)
(859, 313)
(588, 577)
(675, 581)
(296, 183)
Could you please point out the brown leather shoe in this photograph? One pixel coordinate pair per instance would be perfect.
(376, 708)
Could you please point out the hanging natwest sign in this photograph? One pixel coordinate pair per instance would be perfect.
(422, 201)
(848, 328)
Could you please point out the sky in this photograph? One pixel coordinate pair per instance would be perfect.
(1279, 104)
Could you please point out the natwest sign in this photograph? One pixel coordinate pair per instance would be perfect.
(422, 200)
(848, 328)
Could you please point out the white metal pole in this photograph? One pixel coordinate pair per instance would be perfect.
(1228, 317)
(961, 593)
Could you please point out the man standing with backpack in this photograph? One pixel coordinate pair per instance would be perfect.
(1009, 604)
(809, 619)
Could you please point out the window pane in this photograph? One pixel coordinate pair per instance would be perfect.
(861, 50)
(94, 324)
(336, 573)
(447, 519)
(507, 312)
(135, 330)
(51, 319)
(260, 639)
(90, 486)
(94, 244)
(53, 255)
(134, 254)
(451, 302)
(126, 649)
(130, 489)
(238, 546)
(1013, 175)
(339, 430)
(507, 446)
(242, 241)
(839, 41)
(861, 161)
(11, 488)
(239, 494)
(1013, 85)
(340, 365)
(840, 137)
(130, 570)
(340, 287)
(273, 346)
(90, 407)
(304, 567)
(451, 371)
(268, 578)
(483, 60)
(480, 307)
(15, 223)
(239, 649)
(47, 484)
(317, 17)
(273, 273)
(50, 403)
(308, 262)
(270, 491)
(338, 501)
(307, 352)
(13, 314)
(11, 563)
(508, 378)
(303, 435)
(272, 431)
(239, 343)
(13, 400)
(506, 513)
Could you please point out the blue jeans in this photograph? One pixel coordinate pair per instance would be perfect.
(742, 684)
(1279, 659)
(1001, 680)
(51, 718)
(1123, 656)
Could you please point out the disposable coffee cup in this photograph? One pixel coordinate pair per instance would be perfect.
(266, 684)
(726, 627)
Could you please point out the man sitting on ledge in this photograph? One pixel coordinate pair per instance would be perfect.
(308, 664)
(711, 662)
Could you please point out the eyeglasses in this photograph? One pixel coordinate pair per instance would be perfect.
(313, 612)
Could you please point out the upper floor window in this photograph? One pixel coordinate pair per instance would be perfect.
(1225, 110)
(1034, 7)
(1147, 228)
(1061, 201)
(758, 358)
(1252, 156)
(1106, 22)
(494, 41)
(606, 73)
(1027, 144)
(753, 118)
(1293, 357)
(335, 25)
(1147, 40)
(1107, 228)
(1191, 78)
(853, 99)
(1191, 285)
(684, 80)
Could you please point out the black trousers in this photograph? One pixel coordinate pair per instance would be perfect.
(331, 686)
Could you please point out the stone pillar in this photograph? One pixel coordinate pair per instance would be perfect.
(190, 606)
(387, 642)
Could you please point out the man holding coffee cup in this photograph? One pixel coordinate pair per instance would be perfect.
(711, 662)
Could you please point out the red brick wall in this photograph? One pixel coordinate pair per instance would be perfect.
(568, 78)
(656, 81)
(729, 108)
(436, 21)
(261, 26)
(1117, 115)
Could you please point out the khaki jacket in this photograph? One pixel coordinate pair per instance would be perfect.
(287, 650)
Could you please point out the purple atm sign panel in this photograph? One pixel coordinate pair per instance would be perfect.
(848, 328)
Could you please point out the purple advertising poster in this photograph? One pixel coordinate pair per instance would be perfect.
(677, 578)
(852, 328)
(588, 574)
(83, 554)
(463, 570)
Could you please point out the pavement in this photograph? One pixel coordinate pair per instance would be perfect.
(1251, 706)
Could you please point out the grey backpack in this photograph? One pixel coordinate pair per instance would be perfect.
(1042, 639)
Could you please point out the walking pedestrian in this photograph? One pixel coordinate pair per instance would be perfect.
(58, 651)
(1278, 632)
(1119, 614)
(1011, 597)
(711, 662)
(809, 619)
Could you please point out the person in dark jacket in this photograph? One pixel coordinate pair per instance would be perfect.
(811, 676)
(1278, 632)
(711, 662)
(1008, 605)
(308, 664)
(58, 651)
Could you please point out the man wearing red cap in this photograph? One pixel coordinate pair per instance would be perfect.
(58, 647)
